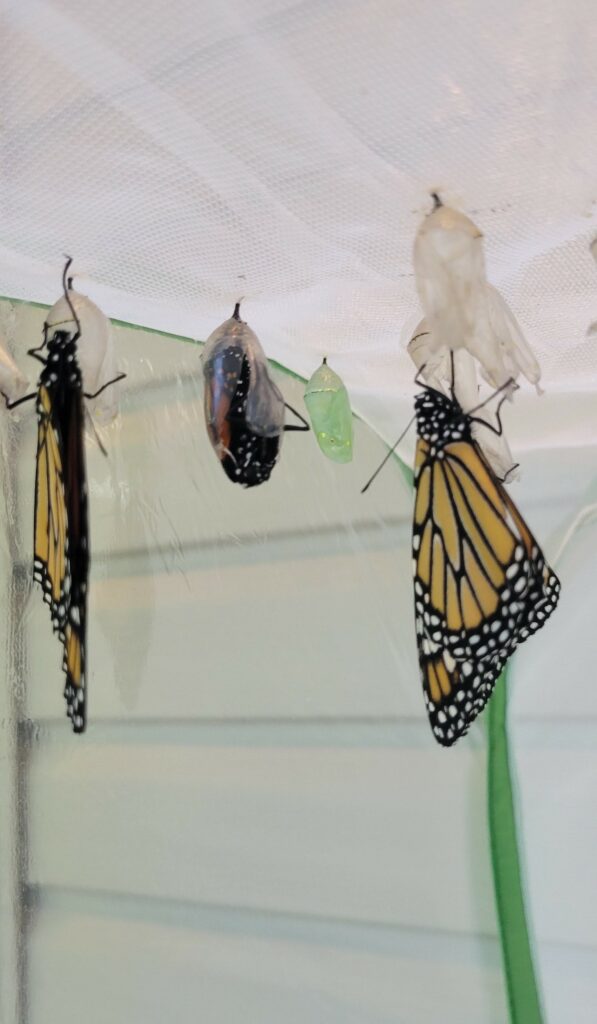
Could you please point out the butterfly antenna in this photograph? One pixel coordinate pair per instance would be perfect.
(305, 425)
(421, 383)
(387, 456)
(236, 314)
(66, 283)
(510, 383)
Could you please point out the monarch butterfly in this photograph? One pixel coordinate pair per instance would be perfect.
(61, 545)
(481, 583)
(244, 409)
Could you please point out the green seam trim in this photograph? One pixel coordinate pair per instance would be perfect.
(117, 323)
(406, 471)
(521, 982)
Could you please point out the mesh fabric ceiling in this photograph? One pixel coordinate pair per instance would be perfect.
(190, 154)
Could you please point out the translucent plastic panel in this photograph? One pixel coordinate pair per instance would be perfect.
(554, 717)
(257, 824)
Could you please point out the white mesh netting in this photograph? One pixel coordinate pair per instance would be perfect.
(190, 154)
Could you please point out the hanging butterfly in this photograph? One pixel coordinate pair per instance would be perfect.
(61, 545)
(244, 409)
(482, 585)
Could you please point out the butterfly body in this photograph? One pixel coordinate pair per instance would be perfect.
(440, 419)
(481, 583)
(61, 550)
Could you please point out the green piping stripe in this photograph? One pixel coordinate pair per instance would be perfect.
(405, 470)
(521, 982)
(116, 323)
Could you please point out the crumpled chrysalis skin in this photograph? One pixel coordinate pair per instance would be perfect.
(461, 308)
(436, 370)
(12, 382)
(95, 350)
(328, 403)
(244, 410)
(433, 365)
(503, 328)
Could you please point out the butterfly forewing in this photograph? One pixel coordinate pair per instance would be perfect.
(481, 582)
(61, 557)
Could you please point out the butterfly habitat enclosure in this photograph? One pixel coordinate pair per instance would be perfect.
(255, 813)
(288, 211)
(248, 663)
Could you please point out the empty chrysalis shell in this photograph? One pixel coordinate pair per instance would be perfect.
(327, 400)
(449, 270)
(95, 350)
(461, 308)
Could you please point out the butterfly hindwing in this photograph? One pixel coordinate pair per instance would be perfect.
(481, 582)
(61, 556)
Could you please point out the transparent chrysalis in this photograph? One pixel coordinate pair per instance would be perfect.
(244, 408)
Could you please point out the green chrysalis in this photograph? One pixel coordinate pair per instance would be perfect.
(327, 400)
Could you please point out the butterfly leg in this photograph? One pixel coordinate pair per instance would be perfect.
(34, 353)
(108, 384)
(305, 425)
(18, 401)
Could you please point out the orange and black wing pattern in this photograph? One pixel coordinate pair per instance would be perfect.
(482, 585)
(51, 528)
(61, 560)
